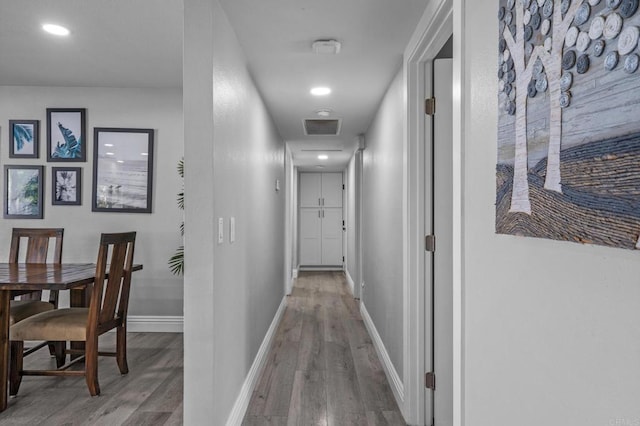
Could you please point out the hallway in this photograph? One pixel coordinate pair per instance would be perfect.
(322, 368)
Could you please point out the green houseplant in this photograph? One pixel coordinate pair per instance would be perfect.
(176, 263)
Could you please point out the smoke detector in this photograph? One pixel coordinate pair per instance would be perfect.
(326, 47)
(324, 112)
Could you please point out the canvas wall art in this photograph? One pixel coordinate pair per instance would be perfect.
(66, 186)
(122, 170)
(24, 136)
(66, 134)
(568, 125)
(23, 192)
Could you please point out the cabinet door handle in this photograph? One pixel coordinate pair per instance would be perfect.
(318, 213)
(319, 202)
(322, 213)
(323, 201)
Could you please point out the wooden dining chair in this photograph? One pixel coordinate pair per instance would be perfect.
(107, 310)
(37, 248)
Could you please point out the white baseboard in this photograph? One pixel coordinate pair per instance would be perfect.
(155, 324)
(242, 401)
(392, 375)
(320, 268)
(350, 281)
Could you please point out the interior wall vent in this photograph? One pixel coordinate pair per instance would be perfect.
(322, 127)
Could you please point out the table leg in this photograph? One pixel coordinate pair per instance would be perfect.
(5, 296)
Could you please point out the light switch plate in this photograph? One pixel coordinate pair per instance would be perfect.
(220, 230)
(277, 185)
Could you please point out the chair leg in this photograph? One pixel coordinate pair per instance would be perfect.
(15, 367)
(121, 349)
(59, 351)
(91, 367)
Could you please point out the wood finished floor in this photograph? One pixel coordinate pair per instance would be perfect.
(151, 394)
(322, 368)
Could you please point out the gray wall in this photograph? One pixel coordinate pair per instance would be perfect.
(382, 221)
(350, 219)
(551, 331)
(155, 291)
(233, 156)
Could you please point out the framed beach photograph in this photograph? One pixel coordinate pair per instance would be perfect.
(23, 192)
(24, 138)
(66, 186)
(66, 134)
(122, 170)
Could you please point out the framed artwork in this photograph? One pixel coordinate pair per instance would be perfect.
(24, 138)
(122, 170)
(66, 186)
(66, 134)
(568, 160)
(23, 194)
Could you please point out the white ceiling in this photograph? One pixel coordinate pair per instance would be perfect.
(126, 43)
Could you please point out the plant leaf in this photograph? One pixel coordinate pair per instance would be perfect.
(176, 263)
(71, 148)
(181, 168)
(21, 135)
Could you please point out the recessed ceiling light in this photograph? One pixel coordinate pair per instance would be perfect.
(320, 91)
(110, 153)
(55, 29)
(323, 157)
(108, 144)
(120, 161)
(144, 153)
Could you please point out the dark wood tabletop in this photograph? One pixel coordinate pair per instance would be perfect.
(33, 276)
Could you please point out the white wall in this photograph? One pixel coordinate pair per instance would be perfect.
(551, 331)
(233, 158)
(155, 291)
(382, 221)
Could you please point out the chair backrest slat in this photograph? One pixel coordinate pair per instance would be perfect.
(37, 244)
(110, 296)
(38, 240)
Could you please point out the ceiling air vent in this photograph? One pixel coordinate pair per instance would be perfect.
(320, 127)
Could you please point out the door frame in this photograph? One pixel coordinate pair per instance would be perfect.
(441, 19)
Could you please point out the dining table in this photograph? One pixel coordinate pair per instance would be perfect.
(22, 278)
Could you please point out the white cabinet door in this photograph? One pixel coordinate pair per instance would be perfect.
(331, 189)
(310, 236)
(332, 236)
(310, 189)
(320, 219)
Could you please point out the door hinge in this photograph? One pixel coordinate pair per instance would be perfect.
(343, 186)
(430, 380)
(430, 106)
(430, 243)
(343, 258)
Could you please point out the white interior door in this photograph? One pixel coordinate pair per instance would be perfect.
(332, 237)
(332, 189)
(310, 189)
(310, 236)
(443, 230)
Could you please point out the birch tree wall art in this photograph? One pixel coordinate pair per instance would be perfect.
(569, 121)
